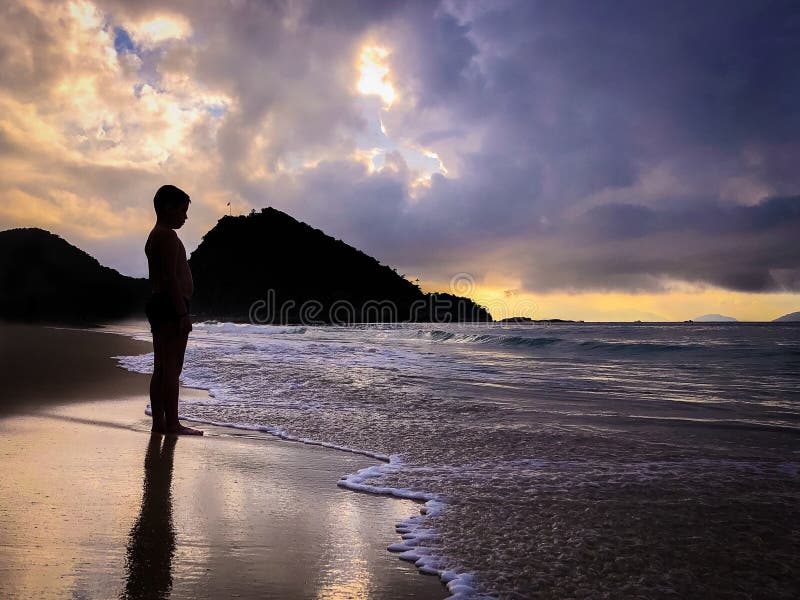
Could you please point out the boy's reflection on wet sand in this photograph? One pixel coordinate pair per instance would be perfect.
(151, 543)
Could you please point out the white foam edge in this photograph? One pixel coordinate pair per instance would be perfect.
(277, 432)
(415, 529)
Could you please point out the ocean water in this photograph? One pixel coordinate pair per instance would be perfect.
(553, 460)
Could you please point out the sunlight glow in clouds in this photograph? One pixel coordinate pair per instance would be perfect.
(85, 13)
(160, 29)
(374, 74)
(377, 147)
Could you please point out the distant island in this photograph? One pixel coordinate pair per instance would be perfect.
(790, 318)
(265, 268)
(714, 318)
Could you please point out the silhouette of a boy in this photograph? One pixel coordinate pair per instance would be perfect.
(168, 307)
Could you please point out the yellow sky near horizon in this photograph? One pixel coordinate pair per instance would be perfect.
(674, 305)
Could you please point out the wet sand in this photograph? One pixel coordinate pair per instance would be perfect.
(94, 506)
(42, 366)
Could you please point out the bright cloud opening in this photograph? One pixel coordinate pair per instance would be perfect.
(374, 74)
(85, 13)
(160, 29)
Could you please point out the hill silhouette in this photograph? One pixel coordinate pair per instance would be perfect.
(271, 268)
(790, 318)
(45, 278)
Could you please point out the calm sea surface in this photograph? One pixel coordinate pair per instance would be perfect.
(564, 460)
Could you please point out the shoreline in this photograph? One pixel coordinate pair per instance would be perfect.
(243, 510)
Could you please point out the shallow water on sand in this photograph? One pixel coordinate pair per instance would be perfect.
(573, 460)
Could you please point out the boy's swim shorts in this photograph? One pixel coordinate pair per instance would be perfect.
(159, 310)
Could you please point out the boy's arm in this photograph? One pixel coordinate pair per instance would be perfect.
(168, 250)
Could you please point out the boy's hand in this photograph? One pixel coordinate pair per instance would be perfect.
(185, 325)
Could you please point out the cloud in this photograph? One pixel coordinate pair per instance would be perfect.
(579, 146)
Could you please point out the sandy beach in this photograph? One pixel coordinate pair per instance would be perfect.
(94, 506)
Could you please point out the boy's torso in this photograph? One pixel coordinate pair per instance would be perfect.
(155, 246)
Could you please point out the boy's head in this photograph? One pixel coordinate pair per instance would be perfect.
(171, 204)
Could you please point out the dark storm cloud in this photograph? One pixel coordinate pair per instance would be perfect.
(625, 221)
(744, 248)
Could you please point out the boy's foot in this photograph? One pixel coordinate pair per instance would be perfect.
(183, 430)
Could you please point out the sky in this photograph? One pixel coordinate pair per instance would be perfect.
(589, 160)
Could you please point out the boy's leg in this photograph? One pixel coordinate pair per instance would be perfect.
(157, 383)
(174, 351)
(175, 346)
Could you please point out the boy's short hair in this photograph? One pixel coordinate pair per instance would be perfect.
(168, 196)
